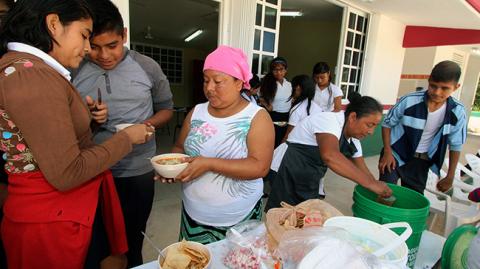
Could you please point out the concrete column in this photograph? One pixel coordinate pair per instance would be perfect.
(470, 82)
(237, 24)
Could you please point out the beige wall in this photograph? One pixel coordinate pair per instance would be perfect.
(305, 43)
(182, 93)
(418, 60)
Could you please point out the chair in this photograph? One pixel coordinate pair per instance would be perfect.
(474, 163)
(460, 189)
(178, 123)
(456, 213)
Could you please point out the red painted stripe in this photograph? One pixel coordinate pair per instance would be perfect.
(475, 4)
(414, 76)
(422, 36)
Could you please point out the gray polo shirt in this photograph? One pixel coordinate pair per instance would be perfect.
(133, 91)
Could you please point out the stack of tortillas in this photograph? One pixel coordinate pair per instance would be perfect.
(186, 255)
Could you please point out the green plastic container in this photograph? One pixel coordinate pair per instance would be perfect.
(410, 206)
(455, 250)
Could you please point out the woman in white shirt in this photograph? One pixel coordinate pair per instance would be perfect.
(327, 95)
(302, 101)
(327, 140)
(275, 96)
(230, 141)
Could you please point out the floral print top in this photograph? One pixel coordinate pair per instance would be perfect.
(215, 199)
(18, 157)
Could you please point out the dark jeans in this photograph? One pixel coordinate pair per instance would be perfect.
(413, 174)
(136, 197)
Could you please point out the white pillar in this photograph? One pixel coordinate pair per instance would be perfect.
(237, 24)
(124, 7)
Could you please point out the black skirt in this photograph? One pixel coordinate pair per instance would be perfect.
(279, 130)
(298, 176)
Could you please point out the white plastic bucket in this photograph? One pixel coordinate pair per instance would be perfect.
(391, 243)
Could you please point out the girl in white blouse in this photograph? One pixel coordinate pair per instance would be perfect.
(327, 95)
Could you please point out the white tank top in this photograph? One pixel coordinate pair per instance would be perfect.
(214, 199)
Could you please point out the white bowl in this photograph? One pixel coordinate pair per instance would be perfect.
(164, 252)
(169, 170)
(122, 126)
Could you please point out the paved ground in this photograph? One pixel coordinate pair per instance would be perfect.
(163, 225)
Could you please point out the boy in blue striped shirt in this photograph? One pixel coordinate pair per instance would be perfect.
(417, 130)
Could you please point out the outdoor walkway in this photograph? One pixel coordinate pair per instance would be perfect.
(163, 225)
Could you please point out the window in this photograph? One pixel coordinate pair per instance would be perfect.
(265, 40)
(170, 59)
(353, 50)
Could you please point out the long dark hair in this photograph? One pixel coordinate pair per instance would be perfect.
(362, 105)
(268, 88)
(25, 22)
(322, 68)
(307, 86)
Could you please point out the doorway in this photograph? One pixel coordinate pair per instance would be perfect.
(159, 29)
(325, 32)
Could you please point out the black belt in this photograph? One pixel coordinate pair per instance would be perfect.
(423, 156)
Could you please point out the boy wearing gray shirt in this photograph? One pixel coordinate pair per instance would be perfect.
(136, 91)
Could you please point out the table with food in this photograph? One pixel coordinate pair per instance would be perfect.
(312, 234)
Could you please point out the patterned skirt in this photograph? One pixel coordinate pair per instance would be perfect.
(193, 231)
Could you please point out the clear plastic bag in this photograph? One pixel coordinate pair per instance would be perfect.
(247, 244)
(325, 247)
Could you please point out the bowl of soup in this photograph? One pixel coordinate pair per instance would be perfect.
(185, 255)
(169, 165)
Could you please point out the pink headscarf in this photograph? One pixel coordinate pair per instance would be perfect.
(231, 61)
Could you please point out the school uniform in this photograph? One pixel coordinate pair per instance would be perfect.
(302, 169)
(324, 98)
(281, 105)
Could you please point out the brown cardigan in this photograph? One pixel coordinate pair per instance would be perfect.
(45, 113)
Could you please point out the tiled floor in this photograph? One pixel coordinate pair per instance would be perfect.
(164, 222)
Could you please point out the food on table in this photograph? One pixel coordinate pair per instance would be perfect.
(186, 255)
(251, 257)
(312, 212)
(169, 161)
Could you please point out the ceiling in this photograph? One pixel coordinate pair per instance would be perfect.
(173, 20)
(437, 13)
(313, 10)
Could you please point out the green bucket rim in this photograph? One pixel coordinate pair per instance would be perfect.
(412, 212)
(452, 240)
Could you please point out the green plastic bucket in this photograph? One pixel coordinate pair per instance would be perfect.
(410, 206)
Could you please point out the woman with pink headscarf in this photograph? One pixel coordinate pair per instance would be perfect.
(230, 141)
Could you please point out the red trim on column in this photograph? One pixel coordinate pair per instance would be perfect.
(475, 4)
(423, 36)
